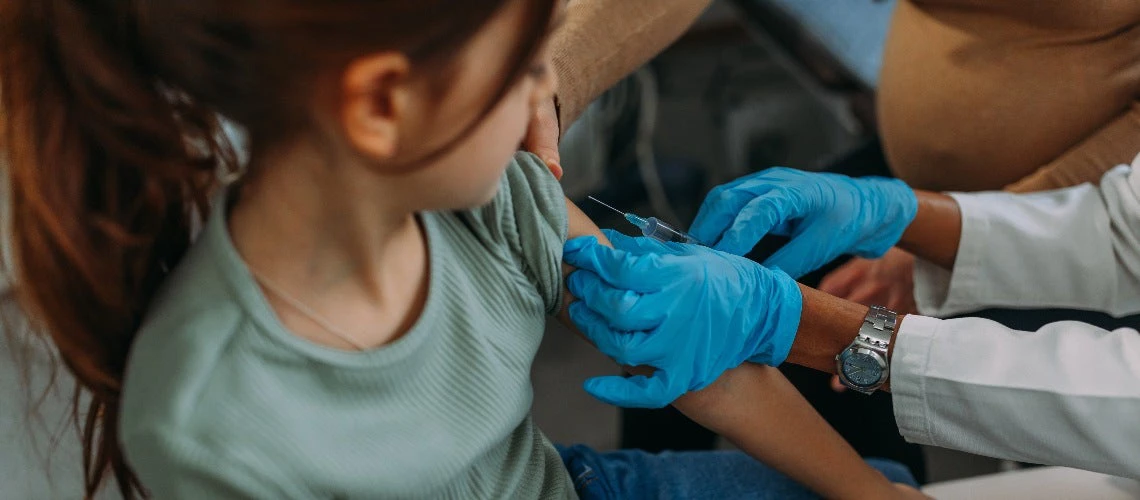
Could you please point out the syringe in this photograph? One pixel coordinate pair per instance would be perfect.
(653, 227)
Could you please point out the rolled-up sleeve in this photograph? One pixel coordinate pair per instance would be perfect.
(528, 218)
(1076, 248)
(1067, 394)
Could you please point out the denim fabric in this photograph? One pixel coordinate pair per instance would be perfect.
(693, 475)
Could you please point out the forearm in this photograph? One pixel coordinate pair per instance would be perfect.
(580, 225)
(936, 231)
(602, 41)
(828, 324)
(763, 414)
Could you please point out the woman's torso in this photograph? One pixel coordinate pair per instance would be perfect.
(976, 94)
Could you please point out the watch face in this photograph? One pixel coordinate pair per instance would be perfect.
(862, 369)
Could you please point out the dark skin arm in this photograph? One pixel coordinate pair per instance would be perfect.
(829, 324)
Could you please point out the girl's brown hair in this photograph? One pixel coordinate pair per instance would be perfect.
(114, 143)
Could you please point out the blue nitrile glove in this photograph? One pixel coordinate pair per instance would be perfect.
(826, 215)
(689, 311)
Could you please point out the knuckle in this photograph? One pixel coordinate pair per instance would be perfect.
(625, 303)
(724, 196)
(652, 261)
(782, 191)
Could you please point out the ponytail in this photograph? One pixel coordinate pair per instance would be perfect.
(107, 168)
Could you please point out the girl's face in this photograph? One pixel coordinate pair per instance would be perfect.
(467, 174)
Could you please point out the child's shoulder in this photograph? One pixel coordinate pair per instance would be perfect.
(524, 226)
(199, 294)
(191, 324)
(529, 184)
(529, 200)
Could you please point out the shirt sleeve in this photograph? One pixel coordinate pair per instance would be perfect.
(1076, 248)
(528, 218)
(1066, 394)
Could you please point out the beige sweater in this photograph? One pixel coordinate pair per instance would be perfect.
(980, 94)
(974, 94)
(602, 41)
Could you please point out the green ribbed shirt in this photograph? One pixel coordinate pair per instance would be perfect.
(221, 401)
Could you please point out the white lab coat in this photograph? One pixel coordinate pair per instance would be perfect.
(1067, 394)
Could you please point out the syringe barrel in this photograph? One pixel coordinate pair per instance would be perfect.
(661, 231)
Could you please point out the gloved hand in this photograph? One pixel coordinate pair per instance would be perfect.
(826, 215)
(686, 310)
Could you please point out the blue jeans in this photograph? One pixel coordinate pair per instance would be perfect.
(692, 475)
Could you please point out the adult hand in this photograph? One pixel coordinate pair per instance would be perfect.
(542, 137)
(688, 311)
(887, 282)
(826, 215)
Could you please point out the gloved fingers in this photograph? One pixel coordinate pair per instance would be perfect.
(606, 339)
(619, 345)
(620, 391)
(758, 182)
(640, 273)
(800, 255)
(623, 309)
(770, 212)
(721, 207)
(650, 347)
(577, 244)
(637, 391)
(640, 245)
(735, 184)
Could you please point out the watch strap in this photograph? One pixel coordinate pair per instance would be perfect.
(877, 329)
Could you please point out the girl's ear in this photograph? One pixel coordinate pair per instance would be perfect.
(376, 97)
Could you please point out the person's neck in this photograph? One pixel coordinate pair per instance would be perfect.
(306, 221)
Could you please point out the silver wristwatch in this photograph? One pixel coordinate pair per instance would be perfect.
(863, 366)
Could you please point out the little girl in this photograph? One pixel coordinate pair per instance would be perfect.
(360, 312)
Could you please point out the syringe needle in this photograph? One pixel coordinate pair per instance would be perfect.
(600, 202)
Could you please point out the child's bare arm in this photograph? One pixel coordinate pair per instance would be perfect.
(580, 225)
(760, 412)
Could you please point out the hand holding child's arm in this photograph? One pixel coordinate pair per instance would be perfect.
(760, 412)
